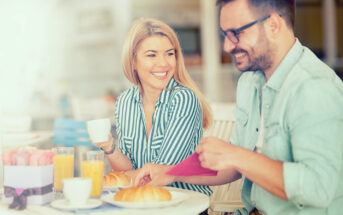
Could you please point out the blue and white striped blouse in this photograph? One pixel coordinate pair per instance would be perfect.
(175, 133)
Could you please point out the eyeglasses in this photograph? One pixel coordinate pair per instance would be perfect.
(232, 34)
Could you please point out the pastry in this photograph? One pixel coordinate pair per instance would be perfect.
(146, 193)
(116, 179)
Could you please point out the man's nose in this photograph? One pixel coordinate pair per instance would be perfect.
(228, 45)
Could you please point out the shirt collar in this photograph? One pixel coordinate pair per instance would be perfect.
(259, 79)
(164, 96)
(166, 93)
(137, 95)
(278, 77)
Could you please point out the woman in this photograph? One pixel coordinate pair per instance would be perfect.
(160, 119)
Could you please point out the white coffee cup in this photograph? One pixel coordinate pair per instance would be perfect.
(99, 130)
(77, 190)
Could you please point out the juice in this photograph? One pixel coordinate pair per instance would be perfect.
(63, 168)
(94, 170)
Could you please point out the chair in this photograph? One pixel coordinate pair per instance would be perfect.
(225, 198)
(70, 132)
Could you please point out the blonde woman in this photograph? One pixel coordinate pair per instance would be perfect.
(161, 119)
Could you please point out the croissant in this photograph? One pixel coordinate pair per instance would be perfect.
(116, 179)
(146, 193)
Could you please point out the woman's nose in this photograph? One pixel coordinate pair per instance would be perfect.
(162, 61)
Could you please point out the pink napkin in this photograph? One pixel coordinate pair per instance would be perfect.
(191, 167)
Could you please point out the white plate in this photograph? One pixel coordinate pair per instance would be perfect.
(115, 189)
(176, 198)
(64, 204)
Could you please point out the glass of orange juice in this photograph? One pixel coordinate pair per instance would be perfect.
(92, 166)
(63, 162)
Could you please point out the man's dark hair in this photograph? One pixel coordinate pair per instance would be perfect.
(285, 8)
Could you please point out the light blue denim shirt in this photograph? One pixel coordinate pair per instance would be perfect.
(303, 127)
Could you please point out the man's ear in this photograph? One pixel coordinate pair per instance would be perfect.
(274, 24)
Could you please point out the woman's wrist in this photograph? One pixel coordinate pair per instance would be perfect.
(109, 149)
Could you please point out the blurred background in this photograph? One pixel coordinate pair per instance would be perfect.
(62, 57)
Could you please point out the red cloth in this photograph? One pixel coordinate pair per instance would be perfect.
(191, 167)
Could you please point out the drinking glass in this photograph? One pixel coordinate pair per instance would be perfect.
(63, 162)
(92, 166)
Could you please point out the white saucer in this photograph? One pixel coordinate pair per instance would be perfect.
(64, 204)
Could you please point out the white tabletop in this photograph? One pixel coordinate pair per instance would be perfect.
(195, 204)
(16, 139)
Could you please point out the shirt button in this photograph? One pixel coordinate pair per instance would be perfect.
(256, 129)
(267, 106)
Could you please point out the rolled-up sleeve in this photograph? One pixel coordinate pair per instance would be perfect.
(182, 127)
(315, 120)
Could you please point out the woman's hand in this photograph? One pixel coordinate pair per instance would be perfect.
(132, 173)
(154, 174)
(105, 146)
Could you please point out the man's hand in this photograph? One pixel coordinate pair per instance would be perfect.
(216, 154)
(154, 174)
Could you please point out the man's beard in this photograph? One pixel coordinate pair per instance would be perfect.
(262, 62)
(260, 57)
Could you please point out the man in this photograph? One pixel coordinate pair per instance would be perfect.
(288, 139)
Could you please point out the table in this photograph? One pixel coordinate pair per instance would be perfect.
(195, 204)
(31, 138)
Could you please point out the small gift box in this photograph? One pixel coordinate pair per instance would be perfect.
(28, 185)
(28, 178)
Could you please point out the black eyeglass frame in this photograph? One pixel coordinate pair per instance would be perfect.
(232, 34)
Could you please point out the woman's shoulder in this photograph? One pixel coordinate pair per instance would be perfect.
(183, 92)
(185, 96)
(183, 102)
(127, 95)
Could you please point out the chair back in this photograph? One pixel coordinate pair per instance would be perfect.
(227, 197)
(223, 121)
(70, 132)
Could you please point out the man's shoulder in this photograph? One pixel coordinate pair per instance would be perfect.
(311, 79)
(310, 69)
(310, 66)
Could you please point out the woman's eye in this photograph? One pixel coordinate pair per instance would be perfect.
(170, 53)
(151, 55)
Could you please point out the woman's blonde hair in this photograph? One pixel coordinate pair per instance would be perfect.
(144, 28)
